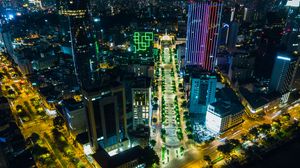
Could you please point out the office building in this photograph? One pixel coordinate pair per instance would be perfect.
(6, 42)
(225, 113)
(259, 102)
(204, 19)
(75, 114)
(141, 102)
(283, 73)
(241, 67)
(131, 158)
(233, 34)
(106, 116)
(83, 42)
(203, 90)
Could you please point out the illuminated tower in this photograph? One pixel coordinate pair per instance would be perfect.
(283, 73)
(203, 27)
(83, 42)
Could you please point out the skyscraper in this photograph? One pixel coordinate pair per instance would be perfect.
(204, 17)
(283, 73)
(104, 99)
(203, 91)
(83, 43)
(106, 116)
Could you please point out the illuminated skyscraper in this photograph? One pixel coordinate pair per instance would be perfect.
(204, 17)
(283, 73)
(104, 103)
(83, 42)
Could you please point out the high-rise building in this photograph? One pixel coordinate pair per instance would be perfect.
(106, 116)
(203, 90)
(6, 42)
(283, 73)
(83, 42)
(141, 102)
(233, 34)
(204, 19)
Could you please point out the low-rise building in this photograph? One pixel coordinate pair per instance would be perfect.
(256, 102)
(225, 113)
(130, 158)
(75, 114)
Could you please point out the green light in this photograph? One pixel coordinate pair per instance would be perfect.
(155, 52)
(97, 48)
(142, 41)
(96, 45)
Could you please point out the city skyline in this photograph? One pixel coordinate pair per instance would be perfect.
(149, 83)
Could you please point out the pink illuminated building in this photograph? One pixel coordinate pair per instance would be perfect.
(204, 18)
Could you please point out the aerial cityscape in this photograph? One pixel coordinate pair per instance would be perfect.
(149, 83)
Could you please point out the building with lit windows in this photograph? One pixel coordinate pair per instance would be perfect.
(293, 3)
(106, 116)
(83, 43)
(259, 102)
(225, 113)
(6, 42)
(203, 90)
(203, 28)
(141, 102)
(283, 74)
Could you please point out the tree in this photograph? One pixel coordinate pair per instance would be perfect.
(226, 148)
(190, 136)
(286, 117)
(265, 128)
(207, 159)
(244, 137)
(254, 131)
(34, 137)
(149, 157)
(234, 142)
(38, 150)
(154, 120)
(189, 129)
(152, 142)
(184, 104)
(58, 121)
(233, 162)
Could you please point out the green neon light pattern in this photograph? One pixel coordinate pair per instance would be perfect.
(96, 45)
(142, 41)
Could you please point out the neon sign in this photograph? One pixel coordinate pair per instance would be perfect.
(142, 41)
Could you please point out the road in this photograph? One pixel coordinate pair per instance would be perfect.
(29, 110)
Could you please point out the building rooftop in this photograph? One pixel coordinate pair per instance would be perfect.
(72, 104)
(105, 161)
(258, 99)
(227, 102)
